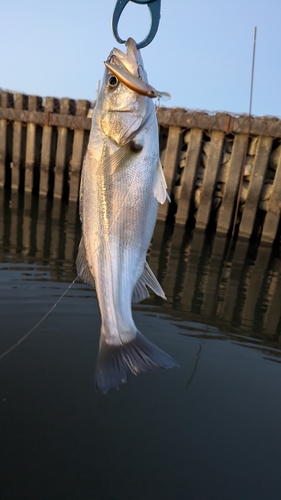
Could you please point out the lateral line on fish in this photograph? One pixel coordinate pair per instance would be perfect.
(38, 323)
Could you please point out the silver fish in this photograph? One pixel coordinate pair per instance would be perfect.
(121, 184)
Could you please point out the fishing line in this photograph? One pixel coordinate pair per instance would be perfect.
(236, 210)
(248, 136)
(39, 322)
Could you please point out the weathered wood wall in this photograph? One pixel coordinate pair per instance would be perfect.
(205, 158)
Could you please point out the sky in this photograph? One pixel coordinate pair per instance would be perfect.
(201, 55)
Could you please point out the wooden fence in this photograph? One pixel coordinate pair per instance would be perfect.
(209, 160)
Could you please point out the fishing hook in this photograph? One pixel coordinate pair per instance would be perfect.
(154, 7)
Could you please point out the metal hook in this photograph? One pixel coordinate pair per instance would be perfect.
(154, 9)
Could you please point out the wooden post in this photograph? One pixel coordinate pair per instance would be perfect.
(231, 185)
(5, 101)
(173, 249)
(2, 218)
(257, 274)
(209, 180)
(50, 103)
(170, 166)
(272, 217)
(71, 243)
(42, 226)
(61, 150)
(234, 280)
(255, 186)
(20, 102)
(56, 218)
(181, 249)
(26, 230)
(16, 220)
(189, 175)
(77, 152)
(210, 298)
(34, 104)
(154, 250)
(271, 318)
(192, 269)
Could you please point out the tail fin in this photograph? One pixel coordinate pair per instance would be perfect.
(138, 355)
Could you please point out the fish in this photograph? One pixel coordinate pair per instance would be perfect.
(122, 184)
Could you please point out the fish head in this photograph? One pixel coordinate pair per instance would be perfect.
(120, 110)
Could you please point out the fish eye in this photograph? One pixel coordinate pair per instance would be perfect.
(112, 81)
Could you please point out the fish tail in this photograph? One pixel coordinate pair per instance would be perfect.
(138, 355)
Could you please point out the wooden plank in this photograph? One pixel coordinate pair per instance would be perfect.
(255, 186)
(2, 219)
(180, 117)
(188, 176)
(77, 152)
(177, 117)
(272, 217)
(170, 166)
(231, 296)
(210, 298)
(71, 241)
(5, 98)
(26, 227)
(174, 263)
(42, 118)
(46, 149)
(56, 228)
(34, 102)
(20, 102)
(15, 208)
(271, 315)
(2, 151)
(181, 248)
(159, 240)
(232, 183)
(192, 272)
(42, 226)
(254, 289)
(209, 180)
(60, 165)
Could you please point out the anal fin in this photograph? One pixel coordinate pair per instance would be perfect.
(82, 266)
(160, 185)
(147, 279)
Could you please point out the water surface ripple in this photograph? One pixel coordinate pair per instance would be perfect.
(209, 430)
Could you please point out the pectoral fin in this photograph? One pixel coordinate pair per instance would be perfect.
(82, 266)
(147, 279)
(109, 164)
(160, 185)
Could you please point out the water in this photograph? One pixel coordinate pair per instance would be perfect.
(209, 430)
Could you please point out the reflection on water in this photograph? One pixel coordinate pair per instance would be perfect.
(209, 430)
(236, 291)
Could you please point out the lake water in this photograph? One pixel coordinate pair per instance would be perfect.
(209, 430)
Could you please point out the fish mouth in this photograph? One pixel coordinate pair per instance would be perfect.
(129, 70)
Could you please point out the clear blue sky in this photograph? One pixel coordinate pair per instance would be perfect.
(202, 53)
